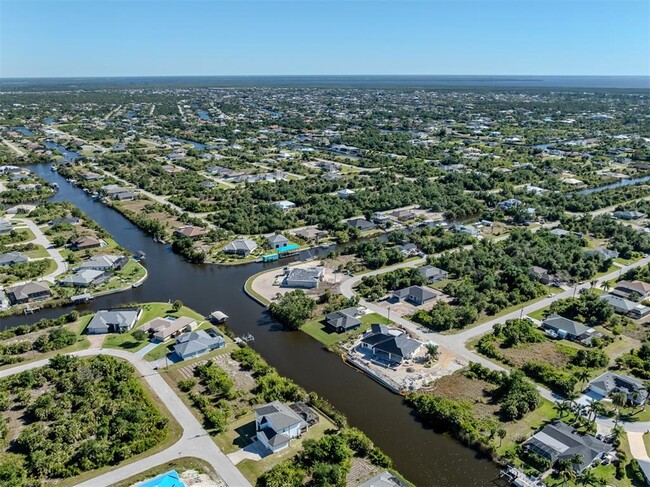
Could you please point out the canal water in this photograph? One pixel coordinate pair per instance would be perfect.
(425, 457)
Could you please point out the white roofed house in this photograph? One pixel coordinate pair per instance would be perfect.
(105, 263)
(304, 278)
(117, 320)
(277, 424)
(285, 205)
(163, 329)
(196, 343)
(85, 278)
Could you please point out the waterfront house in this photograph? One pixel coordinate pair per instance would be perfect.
(241, 246)
(558, 441)
(610, 383)
(69, 220)
(11, 258)
(626, 307)
(190, 231)
(195, 343)
(560, 327)
(416, 295)
(85, 242)
(310, 233)
(384, 479)
(403, 215)
(28, 292)
(277, 241)
(432, 274)
(308, 278)
(277, 424)
(118, 320)
(389, 344)
(105, 263)
(344, 320)
(163, 329)
(85, 278)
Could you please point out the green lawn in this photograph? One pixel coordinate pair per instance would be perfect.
(253, 469)
(611, 269)
(527, 425)
(318, 330)
(127, 341)
(38, 253)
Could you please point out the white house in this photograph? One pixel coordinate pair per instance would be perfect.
(277, 424)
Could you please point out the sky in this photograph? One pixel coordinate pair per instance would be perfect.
(74, 38)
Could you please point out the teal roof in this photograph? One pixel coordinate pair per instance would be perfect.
(289, 247)
(169, 479)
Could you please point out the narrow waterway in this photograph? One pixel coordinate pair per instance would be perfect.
(423, 456)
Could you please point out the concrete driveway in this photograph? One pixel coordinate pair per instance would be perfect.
(255, 451)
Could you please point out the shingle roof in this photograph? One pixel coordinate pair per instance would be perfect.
(106, 318)
(560, 323)
(278, 414)
(196, 342)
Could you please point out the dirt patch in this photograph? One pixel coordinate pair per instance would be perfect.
(461, 388)
(545, 351)
(361, 470)
(192, 478)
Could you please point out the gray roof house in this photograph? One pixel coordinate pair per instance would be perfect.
(389, 345)
(627, 215)
(11, 258)
(5, 226)
(361, 224)
(603, 253)
(85, 278)
(117, 320)
(28, 292)
(542, 275)
(304, 278)
(344, 319)
(277, 424)
(104, 263)
(384, 479)
(240, 246)
(432, 274)
(417, 295)
(566, 328)
(558, 441)
(625, 306)
(610, 382)
(285, 205)
(197, 343)
(277, 241)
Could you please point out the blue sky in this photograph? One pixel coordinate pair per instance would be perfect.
(268, 37)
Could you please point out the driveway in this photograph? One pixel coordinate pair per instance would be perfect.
(146, 349)
(637, 446)
(255, 451)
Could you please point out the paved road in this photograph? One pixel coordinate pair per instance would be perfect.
(195, 441)
(13, 147)
(41, 239)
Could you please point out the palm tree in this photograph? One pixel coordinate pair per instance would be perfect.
(582, 375)
(606, 286)
(501, 434)
(562, 408)
(588, 477)
(598, 408)
(619, 399)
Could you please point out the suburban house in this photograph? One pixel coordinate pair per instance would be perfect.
(11, 258)
(408, 249)
(117, 320)
(277, 241)
(85, 242)
(277, 424)
(85, 278)
(542, 275)
(284, 205)
(632, 289)
(432, 274)
(68, 220)
(559, 441)
(310, 233)
(416, 295)
(190, 231)
(345, 193)
(105, 263)
(242, 247)
(403, 215)
(626, 307)
(603, 253)
(5, 226)
(609, 383)
(468, 229)
(344, 319)
(384, 479)
(627, 215)
(195, 343)
(162, 329)
(304, 278)
(560, 327)
(361, 224)
(28, 292)
(124, 196)
(508, 204)
(389, 344)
